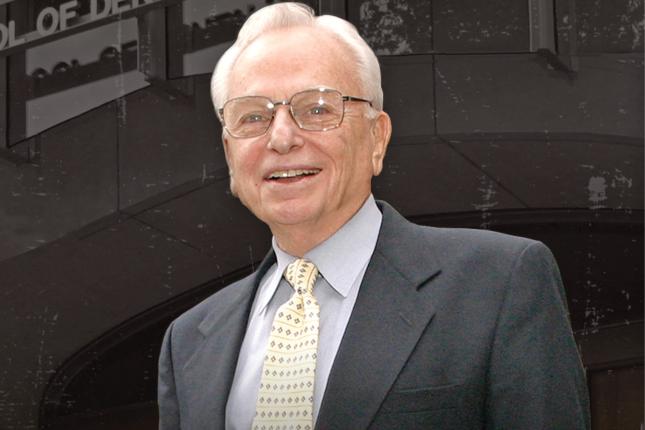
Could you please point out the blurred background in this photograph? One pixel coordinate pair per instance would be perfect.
(521, 116)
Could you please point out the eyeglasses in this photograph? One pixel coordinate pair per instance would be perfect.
(318, 109)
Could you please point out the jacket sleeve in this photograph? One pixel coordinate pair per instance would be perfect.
(535, 378)
(166, 390)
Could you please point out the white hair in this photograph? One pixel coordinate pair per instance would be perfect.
(287, 15)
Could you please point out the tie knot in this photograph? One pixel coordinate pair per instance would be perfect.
(301, 274)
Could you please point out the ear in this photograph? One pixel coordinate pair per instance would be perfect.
(381, 131)
(231, 175)
(225, 144)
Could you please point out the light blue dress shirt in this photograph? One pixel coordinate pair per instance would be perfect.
(341, 260)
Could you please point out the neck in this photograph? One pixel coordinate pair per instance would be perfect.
(299, 239)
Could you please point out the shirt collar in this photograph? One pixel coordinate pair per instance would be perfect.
(270, 286)
(341, 258)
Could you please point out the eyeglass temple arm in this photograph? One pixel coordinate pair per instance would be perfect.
(220, 114)
(356, 99)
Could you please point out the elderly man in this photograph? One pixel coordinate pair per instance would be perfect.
(357, 318)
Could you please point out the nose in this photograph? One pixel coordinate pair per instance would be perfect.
(284, 132)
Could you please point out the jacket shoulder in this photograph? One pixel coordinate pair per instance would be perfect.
(464, 247)
(399, 233)
(470, 237)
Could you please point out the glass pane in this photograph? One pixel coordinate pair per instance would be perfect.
(73, 75)
(394, 27)
(75, 58)
(600, 26)
(473, 25)
(416, 27)
(201, 30)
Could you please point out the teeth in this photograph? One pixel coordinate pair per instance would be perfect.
(292, 173)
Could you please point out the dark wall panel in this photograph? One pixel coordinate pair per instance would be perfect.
(63, 296)
(409, 96)
(443, 182)
(209, 217)
(554, 173)
(617, 398)
(522, 93)
(167, 136)
(71, 181)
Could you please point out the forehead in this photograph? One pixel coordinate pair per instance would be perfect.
(286, 61)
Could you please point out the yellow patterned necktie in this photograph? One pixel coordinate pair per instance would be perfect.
(286, 397)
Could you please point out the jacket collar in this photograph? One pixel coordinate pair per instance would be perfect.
(392, 310)
(213, 361)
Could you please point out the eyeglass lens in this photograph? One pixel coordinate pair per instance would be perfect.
(315, 110)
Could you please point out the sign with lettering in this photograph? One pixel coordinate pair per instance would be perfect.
(53, 20)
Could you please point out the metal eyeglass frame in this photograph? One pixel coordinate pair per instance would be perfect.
(287, 102)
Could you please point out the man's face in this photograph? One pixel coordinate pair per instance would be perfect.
(343, 160)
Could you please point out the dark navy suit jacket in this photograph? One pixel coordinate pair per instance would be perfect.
(452, 329)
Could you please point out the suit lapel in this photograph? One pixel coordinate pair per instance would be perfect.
(389, 316)
(213, 364)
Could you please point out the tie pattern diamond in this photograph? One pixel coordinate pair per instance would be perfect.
(285, 400)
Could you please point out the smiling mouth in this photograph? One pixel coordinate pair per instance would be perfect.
(288, 174)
